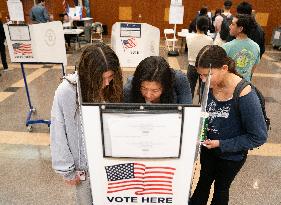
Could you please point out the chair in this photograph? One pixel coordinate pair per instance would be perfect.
(183, 34)
(96, 33)
(170, 39)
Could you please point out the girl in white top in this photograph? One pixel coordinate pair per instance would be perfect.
(195, 43)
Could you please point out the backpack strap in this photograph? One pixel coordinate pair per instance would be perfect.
(238, 89)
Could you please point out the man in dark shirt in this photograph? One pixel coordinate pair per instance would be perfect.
(257, 33)
(2, 46)
(39, 13)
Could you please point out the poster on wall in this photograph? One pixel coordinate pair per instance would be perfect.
(176, 14)
(15, 10)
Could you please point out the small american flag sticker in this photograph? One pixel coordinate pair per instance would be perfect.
(22, 49)
(129, 43)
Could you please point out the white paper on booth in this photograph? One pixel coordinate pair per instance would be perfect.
(145, 135)
(19, 33)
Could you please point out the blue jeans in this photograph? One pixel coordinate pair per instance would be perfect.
(215, 169)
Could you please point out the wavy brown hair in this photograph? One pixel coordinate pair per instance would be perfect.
(95, 60)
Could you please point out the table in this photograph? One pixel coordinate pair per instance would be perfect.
(184, 35)
(76, 33)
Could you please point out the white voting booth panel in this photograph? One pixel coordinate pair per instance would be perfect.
(175, 173)
(133, 42)
(42, 43)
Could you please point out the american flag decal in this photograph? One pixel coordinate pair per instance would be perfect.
(144, 179)
(22, 49)
(129, 43)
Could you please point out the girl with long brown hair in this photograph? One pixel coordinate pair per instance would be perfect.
(100, 79)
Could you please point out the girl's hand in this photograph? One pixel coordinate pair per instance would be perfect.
(210, 144)
(74, 181)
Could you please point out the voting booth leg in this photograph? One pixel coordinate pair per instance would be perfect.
(32, 110)
(63, 71)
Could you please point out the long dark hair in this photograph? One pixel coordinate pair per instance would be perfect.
(95, 60)
(214, 56)
(153, 68)
(202, 23)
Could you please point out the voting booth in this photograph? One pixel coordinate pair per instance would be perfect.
(36, 44)
(42, 43)
(133, 42)
(140, 153)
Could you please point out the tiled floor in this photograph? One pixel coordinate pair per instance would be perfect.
(26, 176)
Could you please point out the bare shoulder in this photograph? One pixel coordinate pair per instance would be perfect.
(246, 90)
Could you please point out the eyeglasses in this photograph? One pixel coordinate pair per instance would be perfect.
(205, 75)
(153, 91)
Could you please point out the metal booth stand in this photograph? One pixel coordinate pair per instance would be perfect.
(36, 44)
(29, 122)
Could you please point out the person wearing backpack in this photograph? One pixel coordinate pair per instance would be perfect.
(231, 132)
(222, 23)
(244, 51)
(256, 34)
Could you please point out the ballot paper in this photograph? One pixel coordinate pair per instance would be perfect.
(142, 135)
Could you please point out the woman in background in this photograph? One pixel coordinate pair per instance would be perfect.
(194, 45)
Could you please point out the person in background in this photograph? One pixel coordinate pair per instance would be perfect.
(39, 13)
(222, 23)
(203, 12)
(227, 7)
(100, 78)
(217, 13)
(230, 133)
(256, 34)
(51, 17)
(155, 82)
(194, 45)
(2, 45)
(8, 20)
(67, 24)
(244, 51)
